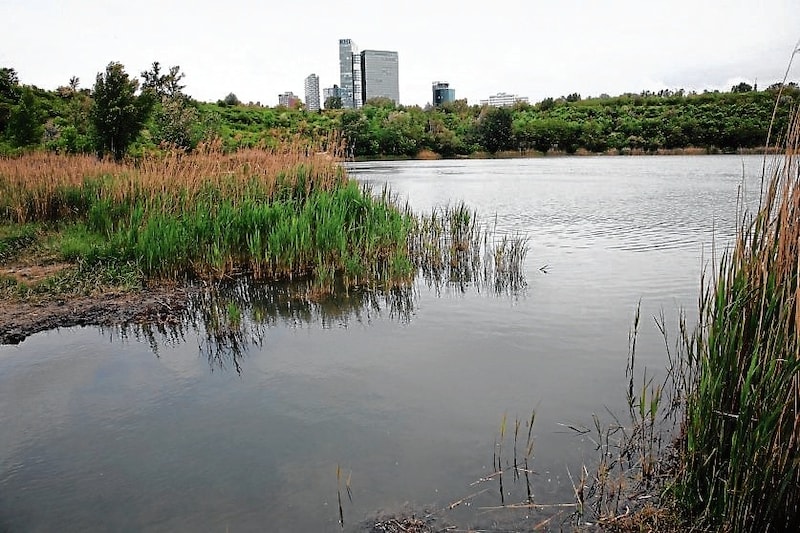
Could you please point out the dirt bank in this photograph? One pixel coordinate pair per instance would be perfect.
(20, 319)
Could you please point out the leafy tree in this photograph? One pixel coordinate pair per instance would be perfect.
(356, 130)
(177, 123)
(547, 104)
(381, 101)
(742, 88)
(163, 85)
(495, 129)
(333, 102)
(9, 84)
(9, 95)
(231, 99)
(118, 113)
(25, 123)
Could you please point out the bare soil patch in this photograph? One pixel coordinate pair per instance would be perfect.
(32, 273)
(20, 319)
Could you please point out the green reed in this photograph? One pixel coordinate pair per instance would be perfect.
(282, 214)
(741, 443)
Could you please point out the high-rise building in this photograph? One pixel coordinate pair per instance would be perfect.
(381, 78)
(288, 99)
(504, 100)
(331, 92)
(347, 49)
(442, 93)
(312, 92)
(358, 81)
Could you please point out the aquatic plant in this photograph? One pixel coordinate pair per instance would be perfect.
(282, 213)
(275, 214)
(739, 467)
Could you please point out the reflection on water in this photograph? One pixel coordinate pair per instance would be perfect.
(233, 317)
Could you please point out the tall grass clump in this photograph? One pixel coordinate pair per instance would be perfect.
(281, 213)
(451, 245)
(740, 448)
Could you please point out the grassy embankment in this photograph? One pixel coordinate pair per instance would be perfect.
(279, 214)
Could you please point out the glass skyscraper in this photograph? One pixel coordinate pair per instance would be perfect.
(381, 78)
(370, 74)
(347, 51)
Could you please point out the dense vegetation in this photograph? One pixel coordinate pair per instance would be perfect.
(739, 454)
(280, 213)
(271, 214)
(284, 213)
(121, 115)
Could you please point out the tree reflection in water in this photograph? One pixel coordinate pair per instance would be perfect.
(231, 316)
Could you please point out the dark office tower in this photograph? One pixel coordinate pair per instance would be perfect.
(442, 93)
(380, 75)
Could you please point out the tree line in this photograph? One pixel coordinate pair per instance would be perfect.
(123, 115)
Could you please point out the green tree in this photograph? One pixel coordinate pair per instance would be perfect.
(333, 102)
(742, 88)
(231, 99)
(163, 85)
(547, 104)
(177, 123)
(118, 113)
(25, 123)
(495, 129)
(176, 120)
(9, 95)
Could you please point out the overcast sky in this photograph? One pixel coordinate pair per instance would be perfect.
(257, 49)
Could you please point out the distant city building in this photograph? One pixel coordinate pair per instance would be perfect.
(312, 92)
(504, 100)
(348, 49)
(442, 93)
(331, 92)
(380, 70)
(358, 80)
(288, 99)
(365, 75)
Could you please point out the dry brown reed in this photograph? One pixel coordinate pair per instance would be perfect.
(31, 185)
(740, 468)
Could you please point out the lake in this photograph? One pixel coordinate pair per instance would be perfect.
(406, 393)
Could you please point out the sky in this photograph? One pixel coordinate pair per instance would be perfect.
(258, 49)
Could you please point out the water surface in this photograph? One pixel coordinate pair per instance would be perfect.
(405, 393)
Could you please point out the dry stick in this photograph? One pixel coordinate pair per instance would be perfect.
(339, 495)
(516, 433)
(466, 498)
(528, 506)
(485, 479)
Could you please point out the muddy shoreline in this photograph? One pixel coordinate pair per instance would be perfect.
(20, 319)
